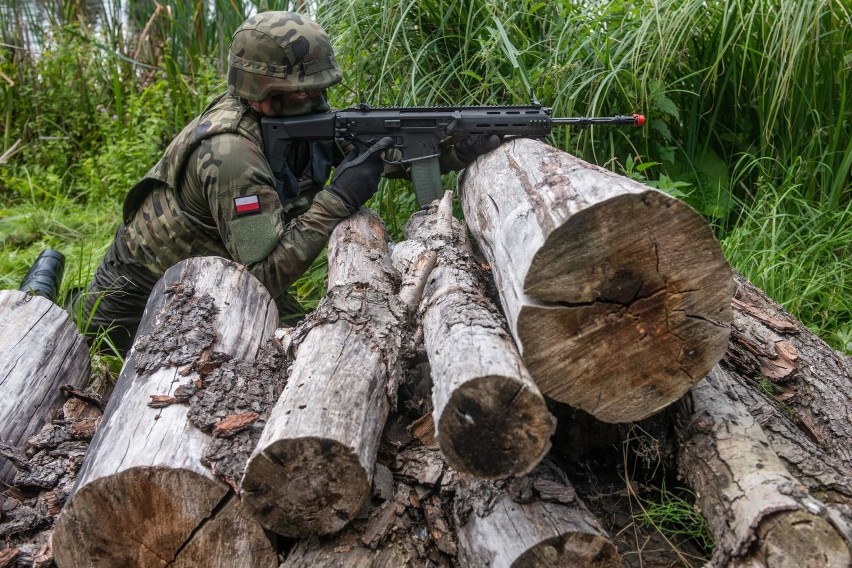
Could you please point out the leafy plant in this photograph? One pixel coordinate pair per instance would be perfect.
(746, 104)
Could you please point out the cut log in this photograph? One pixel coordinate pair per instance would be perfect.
(406, 523)
(617, 294)
(491, 420)
(758, 512)
(825, 477)
(40, 351)
(811, 380)
(312, 469)
(329, 553)
(535, 520)
(822, 475)
(424, 514)
(143, 496)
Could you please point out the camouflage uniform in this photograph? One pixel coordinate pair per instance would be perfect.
(189, 203)
(214, 193)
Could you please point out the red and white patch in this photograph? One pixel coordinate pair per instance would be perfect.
(247, 204)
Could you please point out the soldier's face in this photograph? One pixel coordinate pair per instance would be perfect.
(294, 103)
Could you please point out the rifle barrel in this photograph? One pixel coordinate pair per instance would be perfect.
(632, 119)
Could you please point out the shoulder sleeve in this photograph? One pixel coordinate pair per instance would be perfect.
(236, 182)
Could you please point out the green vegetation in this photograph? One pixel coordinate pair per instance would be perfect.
(749, 119)
(675, 515)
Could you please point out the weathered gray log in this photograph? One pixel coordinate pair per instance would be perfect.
(491, 420)
(40, 350)
(312, 469)
(822, 475)
(825, 477)
(811, 380)
(617, 294)
(536, 521)
(758, 512)
(143, 497)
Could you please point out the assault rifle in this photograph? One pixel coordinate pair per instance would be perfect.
(418, 132)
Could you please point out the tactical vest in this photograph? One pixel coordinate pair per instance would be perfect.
(159, 230)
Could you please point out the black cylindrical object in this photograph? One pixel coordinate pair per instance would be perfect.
(45, 275)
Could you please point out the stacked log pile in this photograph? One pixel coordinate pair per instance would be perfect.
(409, 421)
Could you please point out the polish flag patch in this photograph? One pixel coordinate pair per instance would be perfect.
(247, 204)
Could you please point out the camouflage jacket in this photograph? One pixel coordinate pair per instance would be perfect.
(213, 193)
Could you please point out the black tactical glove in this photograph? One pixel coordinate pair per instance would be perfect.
(472, 147)
(356, 179)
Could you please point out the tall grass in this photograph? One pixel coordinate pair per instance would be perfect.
(799, 253)
(747, 106)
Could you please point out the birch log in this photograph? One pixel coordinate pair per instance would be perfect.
(40, 351)
(491, 420)
(143, 497)
(760, 515)
(312, 469)
(617, 295)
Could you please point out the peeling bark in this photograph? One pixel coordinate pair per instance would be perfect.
(811, 379)
(405, 524)
(143, 496)
(28, 511)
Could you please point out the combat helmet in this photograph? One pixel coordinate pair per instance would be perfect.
(280, 51)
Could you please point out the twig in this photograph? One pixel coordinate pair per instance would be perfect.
(147, 29)
(7, 155)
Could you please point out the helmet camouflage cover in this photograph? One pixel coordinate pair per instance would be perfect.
(280, 51)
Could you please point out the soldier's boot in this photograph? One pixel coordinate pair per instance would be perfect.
(45, 275)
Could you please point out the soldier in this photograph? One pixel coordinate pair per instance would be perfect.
(214, 193)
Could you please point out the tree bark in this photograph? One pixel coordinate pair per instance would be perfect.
(617, 295)
(822, 475)
(491, 420)
(758, 512)
(143, 496)
(811, 381)
(312, 469)
(40, 350)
